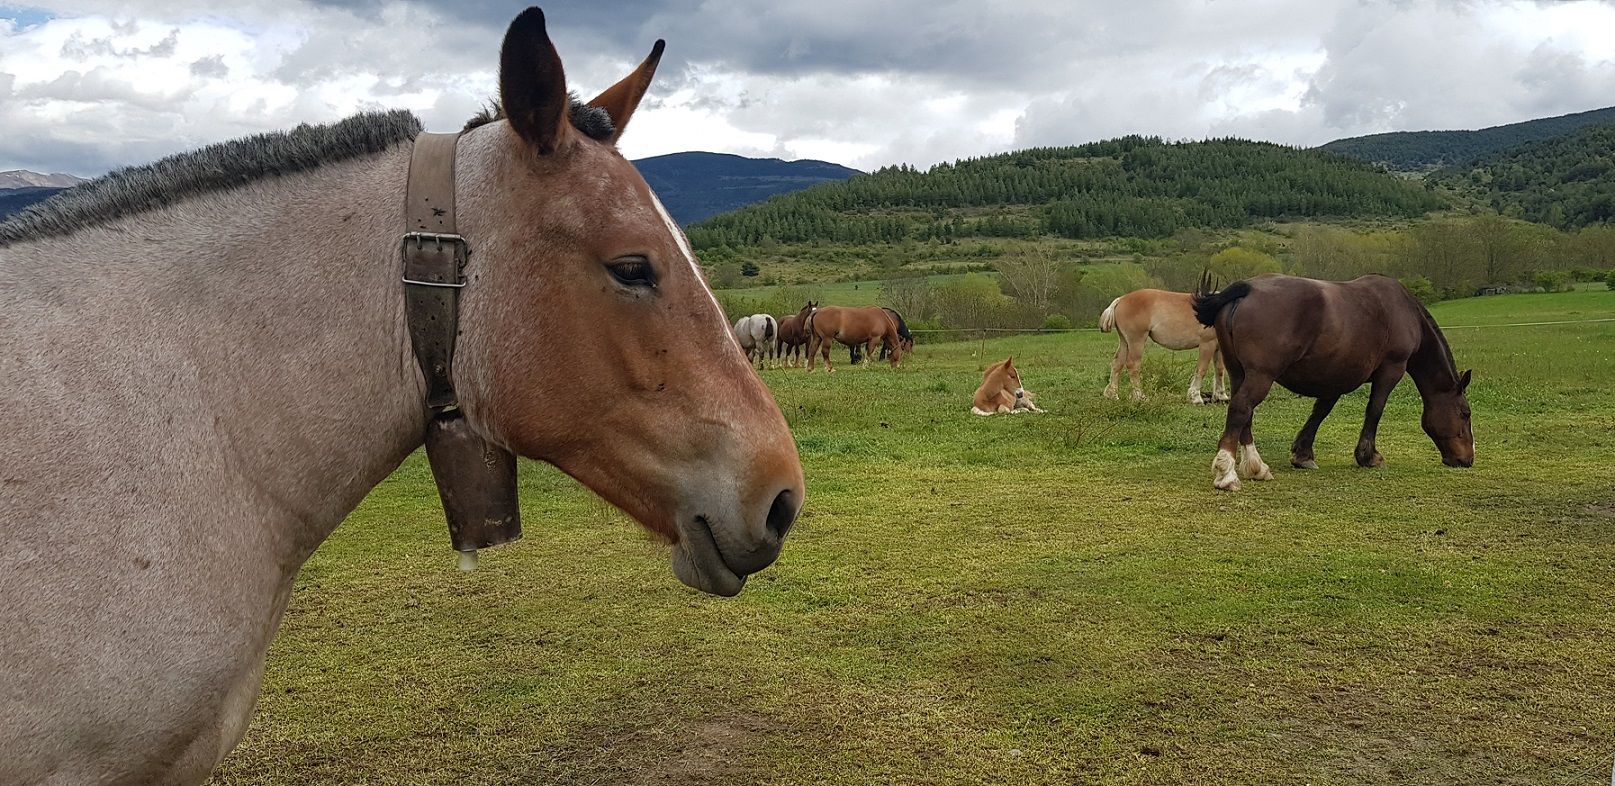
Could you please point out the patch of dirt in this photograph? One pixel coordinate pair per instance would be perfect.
(708, 751)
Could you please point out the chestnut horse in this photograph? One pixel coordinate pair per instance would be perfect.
(869, 325)
(793, 333)
(213, 356)
(907, 340)
(1325, 339)
(1167, 317)
(1001, 392)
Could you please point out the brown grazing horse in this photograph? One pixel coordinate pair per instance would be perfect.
(1001, 392)
(793, 333)
(869, 325)
(215, 362)
(1167, 317)
(1324, 339)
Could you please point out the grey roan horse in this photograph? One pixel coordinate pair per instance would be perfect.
(206, 367)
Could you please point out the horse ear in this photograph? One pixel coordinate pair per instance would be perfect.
(621, 99)
(1463, 380)
(532, 86)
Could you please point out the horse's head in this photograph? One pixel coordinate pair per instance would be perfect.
(1004, 377)
(807, 311)
(587, 328)
(1446, 420)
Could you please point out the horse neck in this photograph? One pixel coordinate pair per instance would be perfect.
(250, 347)
(1431, 365)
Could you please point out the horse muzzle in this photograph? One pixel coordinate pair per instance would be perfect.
(715, 556)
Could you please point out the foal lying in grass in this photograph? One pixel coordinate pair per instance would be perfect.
(1001, 391)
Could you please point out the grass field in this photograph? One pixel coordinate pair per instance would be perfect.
(1054, 599)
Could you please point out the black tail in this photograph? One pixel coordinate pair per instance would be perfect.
(768, 329)
(1208, 305)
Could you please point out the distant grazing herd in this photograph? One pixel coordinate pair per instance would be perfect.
(1319, 339)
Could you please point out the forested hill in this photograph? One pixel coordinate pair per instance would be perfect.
(1567, 182)
(697, 185)
(1133, 186)
(1414, 151)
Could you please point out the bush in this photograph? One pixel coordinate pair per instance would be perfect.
(1609, 280)
(1552, 281)
(1422, 289)
(1057, 322)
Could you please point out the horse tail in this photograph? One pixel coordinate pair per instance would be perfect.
(1107, 318)
(1207, 305)
(768, 329)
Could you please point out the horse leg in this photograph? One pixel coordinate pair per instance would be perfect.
(1218, 391)
(1237, 431)
(1384, 381)
(1195, 396)
(1301, 450)
(1135, 362)
(1116, 364)
(825, 345)
(812, 346)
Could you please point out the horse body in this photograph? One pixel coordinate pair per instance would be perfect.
(1324, 339)
(869, 325)
(212, 386)
(793, 333)
(1168, 318)
(906, 339)
(1001, 392)
(758, 335)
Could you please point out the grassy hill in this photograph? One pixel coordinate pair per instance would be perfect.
(1134, 186)
(1567, 182)
(1416, 151)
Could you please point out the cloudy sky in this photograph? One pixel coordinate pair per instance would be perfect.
(88, 85)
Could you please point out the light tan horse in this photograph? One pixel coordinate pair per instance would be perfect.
(1001, 392)
(1168, 318)
(215, 365)
(869, 325)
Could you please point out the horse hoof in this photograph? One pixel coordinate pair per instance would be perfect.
(1301, 463)
(1227, 485)
(1110, 394)
(1198, 400)
(1264, 473)
(1139, 397)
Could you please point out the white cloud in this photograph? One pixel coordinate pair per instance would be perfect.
(102, 83)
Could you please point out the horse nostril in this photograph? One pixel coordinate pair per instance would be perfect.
(782, 514)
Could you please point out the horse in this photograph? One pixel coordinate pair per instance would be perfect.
(1167, 317)
(1001, 392)
(793, 333)
(758, 336)
(217, 366)
(855, 354)
(1324, 339)
(866, 325)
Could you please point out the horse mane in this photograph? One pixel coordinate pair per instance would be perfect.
(1441, 338)
(594, 122)
(217, 167)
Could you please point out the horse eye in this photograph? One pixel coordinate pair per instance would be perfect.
(632, 272)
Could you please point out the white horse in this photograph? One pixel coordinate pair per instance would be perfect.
(758, 334)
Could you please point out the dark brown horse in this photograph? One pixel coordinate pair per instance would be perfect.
(1323, 339)
(793, 333)
(869, 325)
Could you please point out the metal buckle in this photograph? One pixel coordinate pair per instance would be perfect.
(440, 238)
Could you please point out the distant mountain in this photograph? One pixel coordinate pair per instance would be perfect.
(1416, 151)
(1567, 182)
(1128, 187)
(22, 178)
(15, 199)
(696, 185)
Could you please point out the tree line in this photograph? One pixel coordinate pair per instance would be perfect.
(1132, 186)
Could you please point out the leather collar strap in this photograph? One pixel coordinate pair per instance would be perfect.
(475, 478)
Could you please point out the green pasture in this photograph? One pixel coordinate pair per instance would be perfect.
(1032, 599)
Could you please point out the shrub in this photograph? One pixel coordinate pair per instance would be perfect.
(1552, 281)
(1422, 289)
(1057, 322)
(1609, 280)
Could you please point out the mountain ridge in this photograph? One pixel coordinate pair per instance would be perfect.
(1417, 151)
